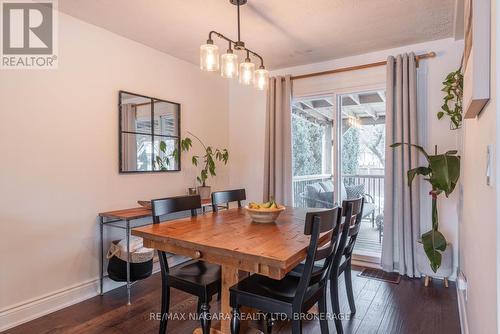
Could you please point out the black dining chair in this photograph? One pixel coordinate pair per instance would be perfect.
(293, 295)
(345, 246)
(195, 277)
(227, 196)
(343, 257)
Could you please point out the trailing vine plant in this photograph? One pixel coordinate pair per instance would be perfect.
(453, 86)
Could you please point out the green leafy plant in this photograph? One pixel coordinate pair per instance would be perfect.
(162, 162)
(453, 86)
(442, 173)
(210, 156)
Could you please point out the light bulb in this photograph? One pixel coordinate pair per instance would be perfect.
(229, 65)
(209, 57)
(261, 78)
(246, 72)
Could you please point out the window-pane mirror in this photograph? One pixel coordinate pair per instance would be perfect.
(149, 134)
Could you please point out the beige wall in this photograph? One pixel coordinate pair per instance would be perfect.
(247, 119)
(59, 160)
(478, 229)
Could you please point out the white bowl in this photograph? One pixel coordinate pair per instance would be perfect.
(265, 215)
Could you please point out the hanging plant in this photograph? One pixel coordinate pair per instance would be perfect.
(453, 86)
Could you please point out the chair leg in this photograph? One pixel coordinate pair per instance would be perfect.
(268, 317)
(373, 219)
(205, 318)
(323, 321)
(296, 326)
(165, 302)
(348, 287)
(334, 295)
(235, 320)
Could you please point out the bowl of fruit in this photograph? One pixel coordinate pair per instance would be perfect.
(264, 212)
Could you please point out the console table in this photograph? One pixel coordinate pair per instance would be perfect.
(122, 219)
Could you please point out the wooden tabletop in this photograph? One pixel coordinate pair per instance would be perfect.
(230, 237)
(137, 213)
(127, 214)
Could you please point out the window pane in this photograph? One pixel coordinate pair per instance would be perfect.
(166, 118)
(312, 134)
(136, 152)
(136, 113)
(165, 158)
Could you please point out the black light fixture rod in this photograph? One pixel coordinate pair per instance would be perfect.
(213, 32)
(238, 5)
(256, 55)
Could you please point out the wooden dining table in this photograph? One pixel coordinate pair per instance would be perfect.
(230, 239)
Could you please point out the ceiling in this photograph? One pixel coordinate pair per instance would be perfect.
(286, 33)
(367, 107)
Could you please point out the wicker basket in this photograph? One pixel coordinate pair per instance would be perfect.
(142, 254)
(141, 263)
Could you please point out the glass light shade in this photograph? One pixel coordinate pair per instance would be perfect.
(209, 57)
(261, 79)
(229, 65)
(246, 72)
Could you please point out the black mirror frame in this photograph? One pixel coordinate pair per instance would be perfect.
(120, 132)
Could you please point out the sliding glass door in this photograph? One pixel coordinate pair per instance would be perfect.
(312, 152)
(338, 152)
(361, 162)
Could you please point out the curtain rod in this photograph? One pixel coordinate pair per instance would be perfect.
(358, 67)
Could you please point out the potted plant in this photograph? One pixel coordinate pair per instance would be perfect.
(208, 162)
(453, 86)
(442, 172)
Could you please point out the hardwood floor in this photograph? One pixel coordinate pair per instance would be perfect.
(382, 307)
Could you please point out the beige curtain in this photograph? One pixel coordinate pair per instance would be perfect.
(278, 141)
(401, 203)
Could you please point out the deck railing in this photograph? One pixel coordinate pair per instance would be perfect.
(299, 187)
(374, 186)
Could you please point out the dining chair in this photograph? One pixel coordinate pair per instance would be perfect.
(344, 251)
(226, 197)
(195, 277)
(293, 295)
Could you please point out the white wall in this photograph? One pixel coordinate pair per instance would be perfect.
(59, 161)
(247, 119)
(479, 233)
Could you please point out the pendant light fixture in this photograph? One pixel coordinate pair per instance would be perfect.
(229, 67)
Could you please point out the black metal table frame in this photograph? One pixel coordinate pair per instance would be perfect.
(127, 227)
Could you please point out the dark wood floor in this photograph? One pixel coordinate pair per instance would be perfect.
(382, 307)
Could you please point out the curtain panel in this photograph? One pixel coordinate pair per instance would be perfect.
(278, 141)
(401, 203)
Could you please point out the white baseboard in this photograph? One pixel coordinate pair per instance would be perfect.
(20, 313)
(31, 309)
(462, 311)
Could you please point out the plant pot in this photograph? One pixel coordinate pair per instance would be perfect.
(204, 192)
(446, 268)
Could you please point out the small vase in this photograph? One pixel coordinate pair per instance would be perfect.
(204, 192)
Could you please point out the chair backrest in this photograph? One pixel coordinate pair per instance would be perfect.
(227, 196)
(163, 206)
(353, 231)
(350, 229)
(327, 221)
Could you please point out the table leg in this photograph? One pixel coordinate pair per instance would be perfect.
(230, 276)
(128, 262)
(101, 262)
